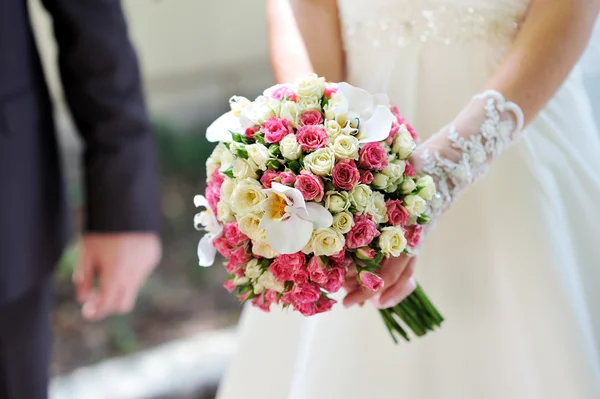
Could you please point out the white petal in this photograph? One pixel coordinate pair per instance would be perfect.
(200, 200)
(220, 129)
(206, 251)
(290, 236)
(381, 99)
(293, 193)
(317, 214)
(358, 99)
(377, 128)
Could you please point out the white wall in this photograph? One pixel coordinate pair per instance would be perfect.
(194, 54)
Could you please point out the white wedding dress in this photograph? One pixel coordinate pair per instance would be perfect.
(514, 265)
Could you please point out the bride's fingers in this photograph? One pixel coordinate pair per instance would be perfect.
(394, 294)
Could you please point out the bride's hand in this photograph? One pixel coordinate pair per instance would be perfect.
(396, 274)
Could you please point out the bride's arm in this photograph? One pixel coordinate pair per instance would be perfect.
(304, 37)
(552, 38)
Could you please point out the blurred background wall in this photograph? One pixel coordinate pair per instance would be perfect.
(194, 55)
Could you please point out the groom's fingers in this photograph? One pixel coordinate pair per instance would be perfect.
(83, 275)
(108, 300)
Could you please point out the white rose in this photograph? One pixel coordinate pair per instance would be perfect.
(249, 225)
(290, 149)
(345, 147)
(262, 248)
(253, 269)
(337, 201)
(227, 159)
(377, 208)
(268, 280)
(227, 189)
(343, 222)
(333, 130)
(415, 205)
(333, 104)
(308, 104)
(237, 103)
(311, 86)
(380, 181)
(211, 166)
(403, 143)
(327, 242)
(224, 213)
(247, 197)
(264, 109)
(234, 147)
(289, 110)
(218, 151)
(360, 196)
(427, 185)
(392, 188)
(392, 241)
(395, 170)
(408, 186)
(241, 280)
(243, 169)
(320, 162)
(259, 154)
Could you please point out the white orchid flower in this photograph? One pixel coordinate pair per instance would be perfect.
(221, 128)
(289, 220)
(207, 221)
(369, 114)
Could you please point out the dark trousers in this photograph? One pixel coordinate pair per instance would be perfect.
(25, 345)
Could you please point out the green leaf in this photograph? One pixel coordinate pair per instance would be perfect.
(423, 219)
(238, 138)
(275, 150)
(242, 153)
(294, 166)
(228, 172)
(329, 186)
(260, 138)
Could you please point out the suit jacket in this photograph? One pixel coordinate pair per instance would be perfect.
(101, 81)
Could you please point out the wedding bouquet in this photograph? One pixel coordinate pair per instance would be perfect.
(307, 180)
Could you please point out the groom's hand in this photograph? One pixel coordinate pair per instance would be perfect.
(396, 274)
(119, 263)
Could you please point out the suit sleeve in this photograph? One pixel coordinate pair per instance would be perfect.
(101, 80)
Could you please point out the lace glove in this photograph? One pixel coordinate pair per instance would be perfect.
(461, 153)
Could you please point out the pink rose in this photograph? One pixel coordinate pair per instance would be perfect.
(223, 246)
(370, 281)
(312, 117)
(261, 302)
(365, 253)
(239, 257)
(275, 129)
(307, 309)
(233, 234)
(373, 156)
(284, 266)
(311, 186)
(272, 296)
(409, 170)
(366, 177)
(393, 132)
(213, 196)
(411, 130)
(283, 92)
(329, 90)
(395, 111)
(335, 279)
(300, 276)
(317, 270)
(216, 179)
(311, 137)
(413, 235)
(251, 131)
(345, 175)
(229, 285)
(287, 178)
(244, 297)
(397, 214)
(362, 233)
(305, 293)
(268, 177)
(324, 304)
(338, 258)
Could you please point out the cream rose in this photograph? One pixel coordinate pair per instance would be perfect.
(249, 225)
(227, 189)
(415, 205)
(333, 130)
(243, 169)
(408, 186)
(241, 280)
(427, 185)
(343, 222)
(377, 208)
(310, 86)
(224, 214)
(327, 242)
(380, 181)
(211, 166)
(290, 149)
(337, 201)
(335, 101)
(360, 196)
(308, 104)
(268, 280)
(262, 248)
(227, 159)
(259, 154)
(289, 110)
(247, 197)
(392, 241)
(320, 162)
(395, 170)
(403, 144)
(253, 269)
(345, 147)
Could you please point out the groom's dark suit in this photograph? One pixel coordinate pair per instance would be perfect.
(101, 81)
